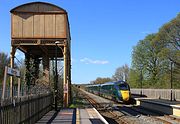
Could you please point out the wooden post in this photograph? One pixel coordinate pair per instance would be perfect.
(4, 83)
(12, 66)
(65, 84)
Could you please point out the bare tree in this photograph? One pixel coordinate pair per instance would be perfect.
(121, 73)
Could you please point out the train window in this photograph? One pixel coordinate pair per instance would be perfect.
(123, 87)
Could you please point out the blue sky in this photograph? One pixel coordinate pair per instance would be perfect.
(103, 32)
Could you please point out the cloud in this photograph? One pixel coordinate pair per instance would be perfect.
(145, 32)
(90, 61)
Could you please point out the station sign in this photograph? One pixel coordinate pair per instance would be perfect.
(13, 72)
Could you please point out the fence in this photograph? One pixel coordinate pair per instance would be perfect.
(25, 109)
(25, 90)
(159, 93)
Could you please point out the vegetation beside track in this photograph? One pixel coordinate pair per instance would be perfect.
(78, 100)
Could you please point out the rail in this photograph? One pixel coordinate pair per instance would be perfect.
(26, 109)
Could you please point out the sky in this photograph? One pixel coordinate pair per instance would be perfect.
(103, 32)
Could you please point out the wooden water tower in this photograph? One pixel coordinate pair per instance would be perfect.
(41, 31)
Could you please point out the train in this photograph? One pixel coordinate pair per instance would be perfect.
(117, 91)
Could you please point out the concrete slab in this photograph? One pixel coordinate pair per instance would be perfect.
(164, 106)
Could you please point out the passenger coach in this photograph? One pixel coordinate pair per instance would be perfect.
(118, 91)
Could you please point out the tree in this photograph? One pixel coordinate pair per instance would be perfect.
(22, 69)
(118, 74)
(134, 78)
(169, 37)
(100, 80)
(121, 73)
(145, 60)
(4, 60)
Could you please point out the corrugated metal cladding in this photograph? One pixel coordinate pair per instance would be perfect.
(39, 20)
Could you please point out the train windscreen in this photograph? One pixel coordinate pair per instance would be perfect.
(123, 87)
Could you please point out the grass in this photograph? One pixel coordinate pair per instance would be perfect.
(77, 99)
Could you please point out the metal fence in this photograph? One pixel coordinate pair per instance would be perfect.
(159, 93)
(25, 90)
(25, 109)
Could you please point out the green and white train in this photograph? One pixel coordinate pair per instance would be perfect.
(118, 91)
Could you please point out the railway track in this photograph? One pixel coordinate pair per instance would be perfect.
(101, 109)
(128, 114)
(110, 111)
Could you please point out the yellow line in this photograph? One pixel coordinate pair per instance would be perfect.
(77, 116)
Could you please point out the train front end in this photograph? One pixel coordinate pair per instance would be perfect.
(124, 92)
(125, 95)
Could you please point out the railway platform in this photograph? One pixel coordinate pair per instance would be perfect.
(63, 116)
(164, 106)
(89, 116)
(73, 116)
